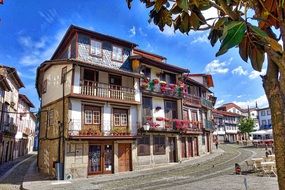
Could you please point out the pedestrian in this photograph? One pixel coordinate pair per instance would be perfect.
(217, 144)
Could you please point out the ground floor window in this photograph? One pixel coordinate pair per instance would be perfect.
(143, 146)
(159, 145)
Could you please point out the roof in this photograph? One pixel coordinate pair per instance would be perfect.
(189, 80)
(154, 62)
(12, 72)
(4, 83)
(73, 29)
(25, 99)
(225, 113)
(228, 106)
(210, 82)
(263, 108)
(148, 54)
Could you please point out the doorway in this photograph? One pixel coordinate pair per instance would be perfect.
(125, 157)
(100, 159)
(183, 147)
(172, 149)
(190, 147)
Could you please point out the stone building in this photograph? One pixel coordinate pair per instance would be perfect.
(25, 127)
(108, 107)
(9, 112)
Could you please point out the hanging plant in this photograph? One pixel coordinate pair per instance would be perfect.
(151, 85)
(149, 118)
(172, 86)
(144, 85)
(163, 88)
(162, 83)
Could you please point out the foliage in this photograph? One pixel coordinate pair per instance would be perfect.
(256, 27)
(246, 125)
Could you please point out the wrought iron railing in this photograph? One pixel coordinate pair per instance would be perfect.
(206, 103)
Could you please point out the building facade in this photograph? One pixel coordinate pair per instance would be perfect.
(264, 118)
(108, 107)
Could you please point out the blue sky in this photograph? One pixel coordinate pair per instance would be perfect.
(31, 30)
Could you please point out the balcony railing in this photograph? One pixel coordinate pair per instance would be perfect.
(78, 129)
(209, 125)
(172, 125)
(206, 103)
(102, 90)
(191, 100)
(10, 127)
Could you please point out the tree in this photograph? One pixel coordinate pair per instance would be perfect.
(246, 125)
(253, 26)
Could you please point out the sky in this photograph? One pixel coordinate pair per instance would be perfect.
(31, 30)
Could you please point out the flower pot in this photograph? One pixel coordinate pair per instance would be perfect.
(155, 81)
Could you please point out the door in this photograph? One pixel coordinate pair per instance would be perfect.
(115, 86)
(208, 142)
(172, 149)
(183, 147)
(196, 148)
(125, 157)
(100, 159)
(190, 147)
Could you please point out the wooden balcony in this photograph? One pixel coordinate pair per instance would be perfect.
(107, 91)
(190, 100)
(206, 103)
(10, 128)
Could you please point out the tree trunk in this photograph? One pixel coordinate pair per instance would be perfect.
(272, 84)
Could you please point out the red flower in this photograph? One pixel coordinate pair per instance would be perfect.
(159, 119)
(155, 81)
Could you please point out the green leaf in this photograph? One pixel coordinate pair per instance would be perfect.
(234, 33)
(183, 4)
(184, 27)
(220, 23)
(158, 4)
(194, 21)
(257, 31)
(244, 48)
(175, 9)
(256, 56)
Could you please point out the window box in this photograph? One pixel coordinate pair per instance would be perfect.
(159, 119)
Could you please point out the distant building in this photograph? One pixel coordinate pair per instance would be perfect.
(264, 118)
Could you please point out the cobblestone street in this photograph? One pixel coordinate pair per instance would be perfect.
(214, 171)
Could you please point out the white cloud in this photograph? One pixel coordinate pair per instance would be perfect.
(239, 96)
(200, 39)
(142, 33)
(219, 103)
(132, 31)
(261, 102)
(256, 74)
(168, 31)
(216, 67)
(35, 52)
(49, 15)
(239, 71)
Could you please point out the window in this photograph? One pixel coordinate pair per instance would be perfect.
(117, 53)
(147, 108)
(143, 146)
(269, 121)
(194, 90)
(263, 122)
(44, 89)
(263, 113)
(117, 119)
(170, 109)
(63, 74)
(147, 72)
(120, 117)
(159, 145)
(51, 117)
(169, 78)
(203, 140)
(96, 48)
(89, 75)
(88, 117)
(92, 115)
(268, 112)
(96, 117)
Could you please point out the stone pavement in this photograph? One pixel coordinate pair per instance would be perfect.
(212, 171)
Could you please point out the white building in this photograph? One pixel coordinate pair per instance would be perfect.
(264, 118)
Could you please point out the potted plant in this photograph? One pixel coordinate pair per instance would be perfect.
(144, 85)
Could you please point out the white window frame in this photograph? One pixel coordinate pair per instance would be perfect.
(97, 114)
(117, 117)
(94, 49)
(124, 119)
(88, 117)
(117, 53)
